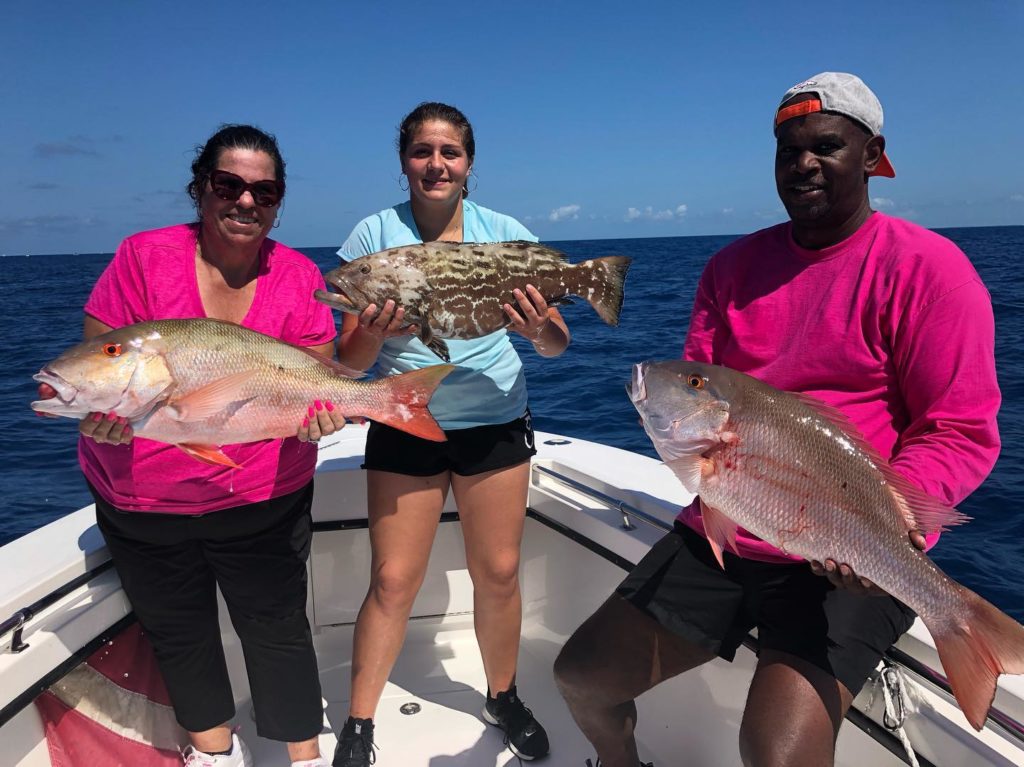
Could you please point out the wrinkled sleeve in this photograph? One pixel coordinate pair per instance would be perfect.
(707, 324)
(945, 358)
(119, 296)
(516, 231)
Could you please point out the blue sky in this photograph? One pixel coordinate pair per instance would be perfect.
(593, 119)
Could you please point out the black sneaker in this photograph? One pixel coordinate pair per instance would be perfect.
(598, 764)
(523, 734)
(355, 744)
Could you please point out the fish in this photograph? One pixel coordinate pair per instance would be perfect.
(202, 383)
(456, 290)
(797, 473)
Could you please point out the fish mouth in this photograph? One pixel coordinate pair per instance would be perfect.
(62, 401)
(336, 300)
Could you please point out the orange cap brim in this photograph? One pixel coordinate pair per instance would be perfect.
(884, 168)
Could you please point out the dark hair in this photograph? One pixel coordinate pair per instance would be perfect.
(230, 137)
(435, 110)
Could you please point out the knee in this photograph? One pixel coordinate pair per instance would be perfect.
(395, 587)
(498, 577)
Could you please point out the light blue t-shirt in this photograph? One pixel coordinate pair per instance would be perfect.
(488, 386)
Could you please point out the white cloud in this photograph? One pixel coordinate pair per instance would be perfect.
(564, 213)
(882, 202)
(1017, 197)
(727, 211)
(650, 214)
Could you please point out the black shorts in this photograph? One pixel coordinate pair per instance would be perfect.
(680, 584)
(467, 451)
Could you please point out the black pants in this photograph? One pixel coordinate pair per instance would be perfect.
(170, 565)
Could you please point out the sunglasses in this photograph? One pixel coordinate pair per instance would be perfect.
(228, 186)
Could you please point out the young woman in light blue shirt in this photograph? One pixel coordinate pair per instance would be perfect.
(482, 406)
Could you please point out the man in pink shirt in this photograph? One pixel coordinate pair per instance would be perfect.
(884, 320)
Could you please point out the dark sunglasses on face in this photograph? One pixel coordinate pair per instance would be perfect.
(228, 186)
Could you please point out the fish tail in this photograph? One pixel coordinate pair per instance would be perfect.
(406, 406)
(607, 278)
(974, 650)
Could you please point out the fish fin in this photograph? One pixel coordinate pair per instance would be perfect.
(920, 510)
(561, 301)
(607, 281)
(438, 347)
(975, 650)
(689, 469)
(211, 454)
(337, 367)
(720, 531)
(407, 408)
(209, 400)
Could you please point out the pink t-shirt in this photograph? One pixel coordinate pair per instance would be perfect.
(892, 326)
(153, 277)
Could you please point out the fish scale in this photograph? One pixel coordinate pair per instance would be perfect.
(797, 473)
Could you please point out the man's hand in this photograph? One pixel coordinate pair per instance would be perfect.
(842, 575)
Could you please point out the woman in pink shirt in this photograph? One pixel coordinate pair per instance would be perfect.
(177, 528)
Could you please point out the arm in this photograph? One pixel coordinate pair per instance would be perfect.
(945, 364)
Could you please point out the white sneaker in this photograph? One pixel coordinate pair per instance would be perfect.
(318, 762)
(239, 756)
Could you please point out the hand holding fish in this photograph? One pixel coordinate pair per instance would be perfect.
(385, 323)
(106, 428)
(322, 420)
(842, 576)
(534, 321)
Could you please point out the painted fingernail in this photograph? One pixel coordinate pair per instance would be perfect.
(311, 413)
(127, 431)
(97, 417)
(330, 406)
(318, 404)
(305, 423)
(111, 416)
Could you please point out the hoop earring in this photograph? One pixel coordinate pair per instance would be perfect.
(406, 187)
(476, 180)
(277, 221)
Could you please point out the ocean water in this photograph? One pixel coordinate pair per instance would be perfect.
(579, 394)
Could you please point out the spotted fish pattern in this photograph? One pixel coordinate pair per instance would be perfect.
(457, 290)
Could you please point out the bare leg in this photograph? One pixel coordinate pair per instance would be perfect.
(212, 740)
(403, 514)
(793, 713)
(492, 507)
(307, 749)
(618, 653)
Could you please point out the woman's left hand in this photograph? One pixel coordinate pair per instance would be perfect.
(323, 419)
(532, 315)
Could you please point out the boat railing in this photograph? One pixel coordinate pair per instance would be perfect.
(627, 510)
(15, 624)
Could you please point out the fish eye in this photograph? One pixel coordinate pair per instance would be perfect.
(112, 350)
(365, 268)
(695, 381)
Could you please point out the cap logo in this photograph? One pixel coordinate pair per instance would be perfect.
(804, 84)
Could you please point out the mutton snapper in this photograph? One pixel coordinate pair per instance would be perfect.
(202, 383)
(796, 473)
(457, 290)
